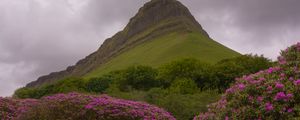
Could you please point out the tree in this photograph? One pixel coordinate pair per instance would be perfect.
(184, 86)
(139, 78)
(71, 84)
(186, 69)
(225, 73)
(227, 70)
(98, 85)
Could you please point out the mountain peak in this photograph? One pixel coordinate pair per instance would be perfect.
(156, 18)
(157, 11)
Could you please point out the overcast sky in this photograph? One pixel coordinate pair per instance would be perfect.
(41, 36)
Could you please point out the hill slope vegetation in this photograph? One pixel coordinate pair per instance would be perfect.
(161, 31)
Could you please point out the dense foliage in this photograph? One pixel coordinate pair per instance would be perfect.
(7, 108)
(182, 106)
(181, 86)
(137, 77)
(74, 106)
(225, 71)
(12, 109)
(186, 69)
(98, 85)
(63, 86)
(269, 94)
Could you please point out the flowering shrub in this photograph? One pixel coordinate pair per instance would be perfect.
(77, 106)
(110, 109)
(7, 108)
(10, 109)
(268, 94)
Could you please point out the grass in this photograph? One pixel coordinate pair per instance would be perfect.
(168, 48)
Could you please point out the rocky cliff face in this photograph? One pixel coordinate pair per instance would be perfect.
(155, 18)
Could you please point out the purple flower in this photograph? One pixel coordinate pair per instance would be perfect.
(260, 98)
(229, 90)
(270, 88)
(282, 75)
(290, 110)
(297, 82)
(241, 86)
(89, 106)
(250, 98)
(282, 96)
(262, 79)
(269, 106)
(290, 95)
(282, 60)
(226, 118)
(279, 86)
(270, 70)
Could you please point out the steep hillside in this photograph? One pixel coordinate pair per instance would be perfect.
(167, 48)
(162, 30)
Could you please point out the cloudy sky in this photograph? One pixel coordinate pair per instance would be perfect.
(41, 36)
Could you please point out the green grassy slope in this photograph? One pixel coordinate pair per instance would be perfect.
(168, 48)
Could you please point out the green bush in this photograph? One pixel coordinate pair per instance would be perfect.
(98, 85)
(63, 86)
(183, 86)
(69, 85)
(154, 94)
(252, 63)
(182, 106)
(225, 71)
(185, 107)
(185, 69)
(139, 78)
(25, 93)
(270, 94)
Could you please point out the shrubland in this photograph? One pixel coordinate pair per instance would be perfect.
(269, 94)
(184, 87)
(75, 106)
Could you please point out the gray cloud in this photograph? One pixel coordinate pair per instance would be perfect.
(41, 36)
(250, 26)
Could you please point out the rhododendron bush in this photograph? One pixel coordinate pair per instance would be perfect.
(7, 108)
(74, 106)
(269, 94)
(11, 109)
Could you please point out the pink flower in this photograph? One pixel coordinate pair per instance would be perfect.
(280, 96)
(270, 88)
(260, 98)
(279, 86)
(282, 75)
(290, 95)
(270, 70)
(297, 82)
(282, 60)
(229, 90)
(250, 98)
(88, 106)
(241, 86)
(290, 110)
(269, 106)
(262, 79)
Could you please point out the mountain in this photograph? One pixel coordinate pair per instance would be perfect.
(161, 31)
